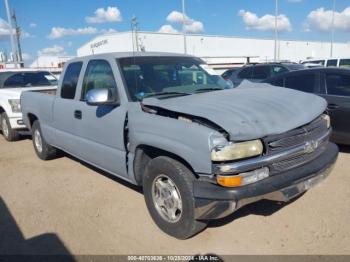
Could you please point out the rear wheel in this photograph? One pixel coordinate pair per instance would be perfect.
(43, 150)
(168, 191)
(7, 131)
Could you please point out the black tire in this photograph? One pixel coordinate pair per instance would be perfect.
(10, 134)
(182, 178)
(45, 152)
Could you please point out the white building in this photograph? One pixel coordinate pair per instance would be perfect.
(219, 51)
(46, 61)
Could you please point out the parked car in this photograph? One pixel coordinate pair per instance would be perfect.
(228, 73)
(327, 62)
(260, 72)
(166, 122)
(333, 84)
(12, 83)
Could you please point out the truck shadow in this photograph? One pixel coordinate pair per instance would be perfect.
(260, 208)
(13, 242)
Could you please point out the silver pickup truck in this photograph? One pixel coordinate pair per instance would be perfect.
(168, 123)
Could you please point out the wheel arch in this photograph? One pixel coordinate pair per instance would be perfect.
(145, 153)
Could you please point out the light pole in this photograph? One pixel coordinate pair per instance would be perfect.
(276, 30)
(14, 53)
(184, 25)
(332, 40)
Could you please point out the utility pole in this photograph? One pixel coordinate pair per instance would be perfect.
(14, 53)
(276, 31)
(134, 26)
(184, 26)
(18, 39)
(332, 39)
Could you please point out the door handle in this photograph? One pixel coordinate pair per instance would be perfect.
(333, 106)
(78, 114)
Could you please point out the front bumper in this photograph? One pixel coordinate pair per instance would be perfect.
(213, 201)
(17, 123)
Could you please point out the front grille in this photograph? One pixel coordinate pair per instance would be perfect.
(309, 133)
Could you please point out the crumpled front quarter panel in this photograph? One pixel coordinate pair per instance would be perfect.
(189, 141)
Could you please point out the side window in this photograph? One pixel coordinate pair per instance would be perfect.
(332, 62)
(14, 81)
(338, 85)
(245, 73)
(261, 72)
(70, 80)
(344, 63)
(276, 70)
(304, 83)
(98, 74)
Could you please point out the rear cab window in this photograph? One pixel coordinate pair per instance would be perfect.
(70, 80)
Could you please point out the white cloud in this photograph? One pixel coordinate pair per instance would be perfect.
(108, 15)
(191, 25)
(26, 57)
(108, 31)
(168, 29)
(55, 50)
(33, 25)
(59, 32)
(266, 22)
(5, 30)
(321, 20)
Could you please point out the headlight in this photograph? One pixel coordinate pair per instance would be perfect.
(15, 105)
(237, 151)
(327, 119)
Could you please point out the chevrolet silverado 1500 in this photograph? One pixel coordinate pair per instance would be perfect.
(168, 123)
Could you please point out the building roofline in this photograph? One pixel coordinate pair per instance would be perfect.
(204, 35)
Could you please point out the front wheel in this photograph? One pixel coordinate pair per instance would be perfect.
(43, 150)
(8, 132)
(168, 192)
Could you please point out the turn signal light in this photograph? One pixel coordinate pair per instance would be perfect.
(229, 181)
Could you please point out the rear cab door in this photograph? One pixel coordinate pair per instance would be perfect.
(335, 88)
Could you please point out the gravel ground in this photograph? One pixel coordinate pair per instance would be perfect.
(66, 207)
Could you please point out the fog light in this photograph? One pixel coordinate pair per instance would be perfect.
(243, 178)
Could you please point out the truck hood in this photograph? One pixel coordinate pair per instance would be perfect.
(249, 113)
(15, 93)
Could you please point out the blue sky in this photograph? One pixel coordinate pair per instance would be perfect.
(302, 19)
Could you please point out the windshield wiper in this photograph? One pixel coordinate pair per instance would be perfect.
(208, 89)
(166, 93)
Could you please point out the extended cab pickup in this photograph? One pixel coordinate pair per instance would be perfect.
(168, 123)
(12, 83)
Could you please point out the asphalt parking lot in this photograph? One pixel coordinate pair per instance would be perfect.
(66, 207)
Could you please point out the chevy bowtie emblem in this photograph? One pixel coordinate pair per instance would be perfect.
(310, 146)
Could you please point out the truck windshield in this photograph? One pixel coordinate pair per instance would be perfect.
(29, 79)
(166, 77)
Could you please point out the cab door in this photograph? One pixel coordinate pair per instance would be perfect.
(101, 128)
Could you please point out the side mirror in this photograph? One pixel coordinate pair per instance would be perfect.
(101, 96)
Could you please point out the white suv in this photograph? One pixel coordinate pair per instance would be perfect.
(12, 83)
